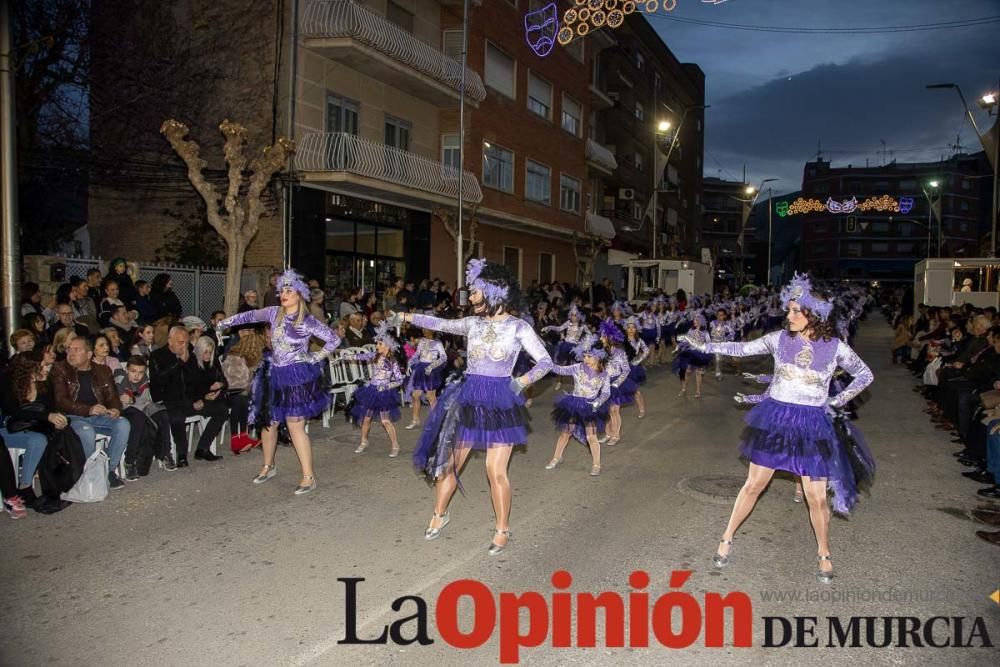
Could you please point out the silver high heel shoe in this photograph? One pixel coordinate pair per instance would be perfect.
(595, 471)
(394, 452)
(721, 561)
(798, 497)
(269, 472)
(495, 549)
(552, 464)
(362, 447)
(412, 425)
(434, 533)
(303, 489)
(822, 576)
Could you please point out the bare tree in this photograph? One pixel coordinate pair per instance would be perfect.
(239, 221)
(585, 257)
(449, 218)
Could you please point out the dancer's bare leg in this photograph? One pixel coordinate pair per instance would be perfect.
(444, 487)
(416, 405)
(561, 446)
(303, 448)
(615, 424)
(758, 478)
(366, 425)
(432, 398)
(269, 446)
(595, 447)
(640, 403)
(819, 516)
(390, 430)
(497, 460)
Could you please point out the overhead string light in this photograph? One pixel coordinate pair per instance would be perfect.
(578, 21)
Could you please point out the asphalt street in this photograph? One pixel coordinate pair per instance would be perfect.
(200, 567)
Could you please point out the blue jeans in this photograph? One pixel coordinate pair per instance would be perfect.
(993, 452)
(33, 444)
(88, 428)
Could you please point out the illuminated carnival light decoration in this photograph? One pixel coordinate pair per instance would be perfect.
(879, 204)
(587, 15)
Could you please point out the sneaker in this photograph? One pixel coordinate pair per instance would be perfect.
(131, 472)
(14, 506)
(167, 463)
(114, 481)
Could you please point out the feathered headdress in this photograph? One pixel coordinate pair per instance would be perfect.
(589, 344)
(799, 290)
(610, 330)
(698, 319)
(495, 284)
(632, 321)
(382, 335)
(292, 279)
(622, 306)
(574, 312)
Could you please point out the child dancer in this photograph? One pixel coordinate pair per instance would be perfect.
(379, 397)
(622, 388)
(649, 327)
(573, 330)
(638, 352)
(584, 412)
(690, 358)
(720, 331)
(426, 368)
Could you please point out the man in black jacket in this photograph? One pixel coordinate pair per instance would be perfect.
(173, 381)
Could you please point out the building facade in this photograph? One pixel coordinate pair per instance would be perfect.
(875, 223)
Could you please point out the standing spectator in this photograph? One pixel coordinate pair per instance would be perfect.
(389, 297)
(195, 327)
(425, 296)
(94, 285)
(371, 304)
(87, 393)
(213, 327)
(162, 298)
(119, 273)
(31, 299)
(84, 308)
(351, 304)
(174, 381)
(249, 301)
(271, 294)
(142, 305)
(66, 320)
(317, 305)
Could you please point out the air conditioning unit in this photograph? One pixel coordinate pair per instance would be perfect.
(628, 194)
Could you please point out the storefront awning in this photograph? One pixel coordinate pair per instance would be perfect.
(599, 225)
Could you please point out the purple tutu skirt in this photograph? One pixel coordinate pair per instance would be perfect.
(667, 334)
(375, 404)
(803, 440)
(564, 353)
(479, 412)
(638, 375)
(649, 336)
(420, 381)
(624, 394)
(297, 392)
(688, 358)
(574, 415)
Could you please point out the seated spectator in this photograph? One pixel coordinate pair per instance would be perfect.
(239, 366)
(340, 328)
(22, 340)
(149, 421)
(102, 354)
(142, 341)
(118, 272)
(31, 300)
(13, 503)
(351, 302)
(357, 335)
(142, 306)
(94, 285)
(67, 320)
(271, 294)
(117, 349)
(35, 323)
(87, 393)
(61, 341)
(901, 340)
(111, 302)
(213, 327)
(162, 298)
(175, 381)
(195, 327)
(122, 321)
(84, 308)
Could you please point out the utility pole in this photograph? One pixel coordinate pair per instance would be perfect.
(9, 240)
(460, 274)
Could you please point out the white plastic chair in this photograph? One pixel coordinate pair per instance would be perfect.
(15, 457)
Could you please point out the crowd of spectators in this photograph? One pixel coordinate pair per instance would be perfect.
(954, 356)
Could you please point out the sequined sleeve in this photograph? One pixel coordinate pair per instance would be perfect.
(763, 379)
(562, 327)
(753, 399)
(457, 327)
(602, 397)
(357, 354)
(250, 317)
(862, 376)
(440, 356)
(641, 352)
(316, 329)
(763, 345)
(565, 370)
(395, 375)
(533, 345)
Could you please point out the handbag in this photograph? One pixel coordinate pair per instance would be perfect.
(19, 424)
(92, 487)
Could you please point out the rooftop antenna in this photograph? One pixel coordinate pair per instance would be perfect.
(882, 164)
(956, 147)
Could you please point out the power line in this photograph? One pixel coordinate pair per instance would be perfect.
(860, 30)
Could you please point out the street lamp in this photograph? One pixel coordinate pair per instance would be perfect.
(987, 102)
(662, 128)
(748, 205)
(933, 185)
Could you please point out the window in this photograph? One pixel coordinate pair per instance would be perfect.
(852, 249)
(963, 226)
(657, 82)
(908, 186)
(571, 115)
(341, 114)
(569, 194)
(498, 167)
(538, 183)
(546, 267)
(397, 133)
(963, 205)
(499, 71)
(637, 160)
(640, 111)
(450, 151)
(399, 16)
(966, 184)
(821, 188)
(904, 248)
(880, 227)
(512, 260)
(539, 96)
(880, 247)
(451, 44)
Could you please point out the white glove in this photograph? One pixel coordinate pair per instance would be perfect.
(394, 319)
(595, 405)
(750, 376)
(699, 345)
(516, 386)
(428, 370)
(741, 398)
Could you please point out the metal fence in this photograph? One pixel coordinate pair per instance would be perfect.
(201, 290)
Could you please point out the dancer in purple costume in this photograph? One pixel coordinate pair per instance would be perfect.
(379, 397)
(291, 387)
(426, 367)
(485, 410)
(791, 429)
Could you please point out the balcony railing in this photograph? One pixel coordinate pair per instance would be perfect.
(330, 19)
(348, 153)
(600, 156)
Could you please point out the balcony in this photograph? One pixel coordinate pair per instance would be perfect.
(600, 225)
(376, 169)
(600, 158)
(347, 32)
